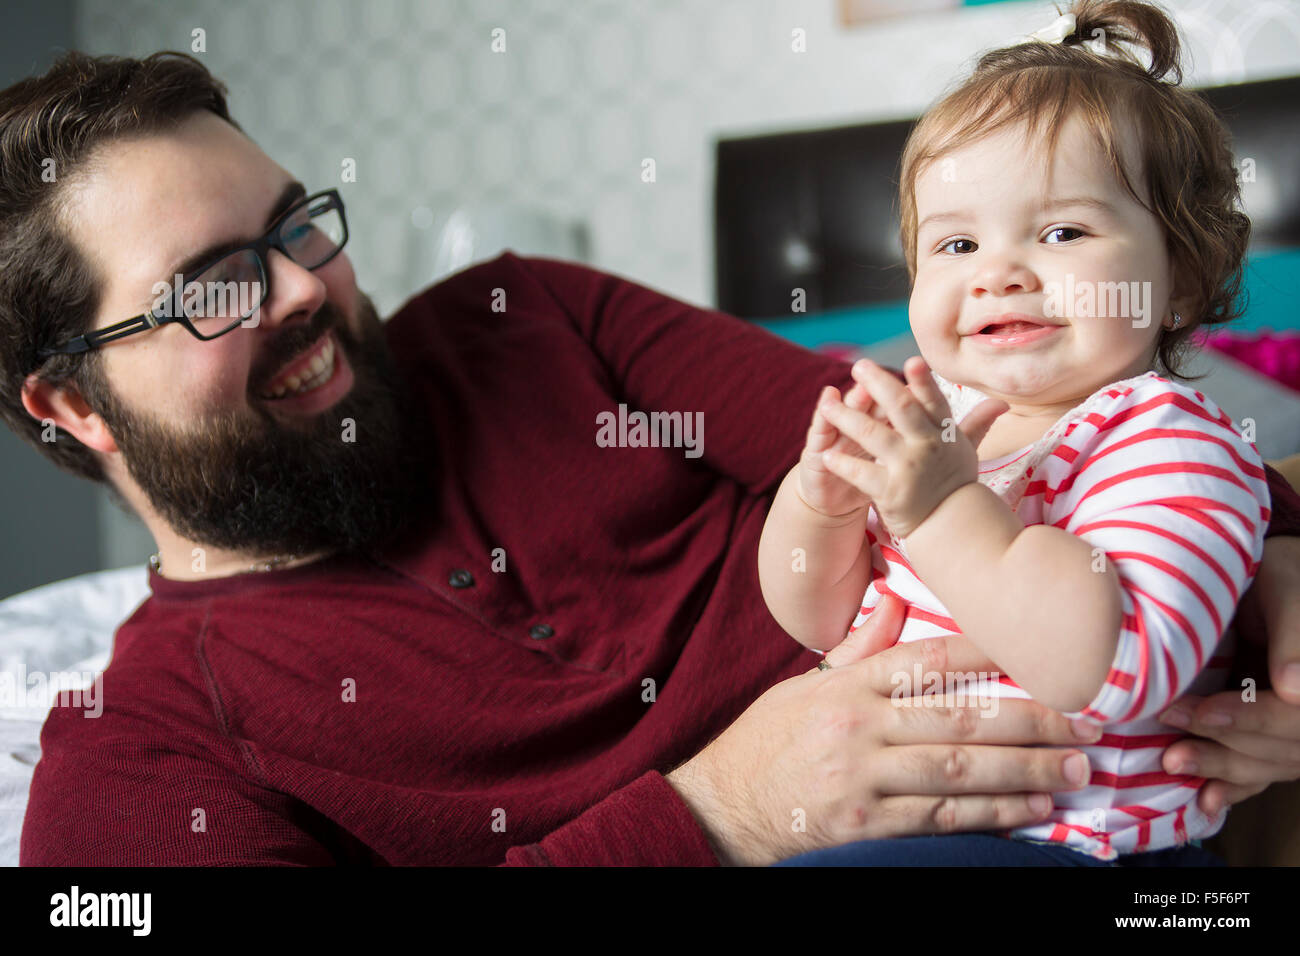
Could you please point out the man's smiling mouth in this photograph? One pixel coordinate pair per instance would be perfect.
(304, 373)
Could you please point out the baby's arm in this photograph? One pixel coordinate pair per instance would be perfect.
(814, 561)
(813, 567)
(1036, 599)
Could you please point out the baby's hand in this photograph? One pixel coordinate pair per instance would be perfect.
(819, 488)
(916, 457)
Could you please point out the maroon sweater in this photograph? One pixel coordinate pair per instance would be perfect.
(522, 715)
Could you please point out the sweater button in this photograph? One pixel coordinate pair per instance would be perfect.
(460, 578)
(540, 632)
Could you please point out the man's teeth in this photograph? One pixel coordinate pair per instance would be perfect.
(313, 376)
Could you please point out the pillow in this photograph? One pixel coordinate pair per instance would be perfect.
(67, 629)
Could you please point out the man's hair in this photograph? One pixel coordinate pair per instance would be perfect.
(1185, 154)
(49, 292)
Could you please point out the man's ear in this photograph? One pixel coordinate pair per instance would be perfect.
(64, 405)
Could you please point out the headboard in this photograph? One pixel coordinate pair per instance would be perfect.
(817, 210)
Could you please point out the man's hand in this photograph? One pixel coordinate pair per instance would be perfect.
(828, 757)
(1258, 743)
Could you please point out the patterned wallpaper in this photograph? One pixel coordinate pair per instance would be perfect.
(556, 126)
(560, 121)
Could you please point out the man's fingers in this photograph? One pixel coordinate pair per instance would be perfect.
(938, 655)
(964, 719)
(1217, 794)
(879, 631)
(963, 768)
(1225, 716)
(915, 815)
(1205, 758)
(1279, 750)
(955, 662)
(1278, 586)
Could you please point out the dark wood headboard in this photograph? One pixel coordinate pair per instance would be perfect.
(818, 209)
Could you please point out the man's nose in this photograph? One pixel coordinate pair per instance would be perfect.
(293, 290)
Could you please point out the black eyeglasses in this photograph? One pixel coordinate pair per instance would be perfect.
(225, 293)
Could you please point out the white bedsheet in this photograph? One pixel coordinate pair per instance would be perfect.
(62, 628)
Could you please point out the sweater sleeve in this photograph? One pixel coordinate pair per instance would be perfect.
(756, 391)
(1285, 519)
(1178, 503)
(645, 823)
(122, 789)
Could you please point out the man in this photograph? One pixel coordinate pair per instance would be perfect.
(406, 609)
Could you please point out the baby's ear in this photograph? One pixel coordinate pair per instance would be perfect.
(1188, 307)
(1185, 296)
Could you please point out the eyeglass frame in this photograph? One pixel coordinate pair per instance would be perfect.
(261, 247)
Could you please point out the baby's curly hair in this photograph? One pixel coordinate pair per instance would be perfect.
(1186, 156)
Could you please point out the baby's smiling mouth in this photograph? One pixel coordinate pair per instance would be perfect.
(1009, 323)
(1009, 327)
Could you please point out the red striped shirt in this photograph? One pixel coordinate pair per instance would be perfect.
(1158, 478)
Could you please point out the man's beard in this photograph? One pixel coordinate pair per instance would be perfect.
(247, 481)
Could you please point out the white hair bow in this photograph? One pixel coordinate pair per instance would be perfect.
(1054, 32)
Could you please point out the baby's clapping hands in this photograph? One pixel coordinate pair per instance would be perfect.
(820, 488)
(896, 447)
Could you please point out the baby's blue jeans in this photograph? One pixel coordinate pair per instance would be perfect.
(983, 849)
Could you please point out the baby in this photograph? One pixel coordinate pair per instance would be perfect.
(1038, 485)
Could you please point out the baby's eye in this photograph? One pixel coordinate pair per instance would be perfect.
(1074, 234)
(968, 246)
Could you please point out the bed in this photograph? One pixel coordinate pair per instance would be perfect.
(65, 628)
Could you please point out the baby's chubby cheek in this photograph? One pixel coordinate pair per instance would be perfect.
(940, 351)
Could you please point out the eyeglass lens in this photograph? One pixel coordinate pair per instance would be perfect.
(232, 289)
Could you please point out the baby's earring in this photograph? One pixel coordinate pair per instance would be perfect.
(1178, 320)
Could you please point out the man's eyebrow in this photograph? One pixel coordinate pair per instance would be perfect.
(291, 193)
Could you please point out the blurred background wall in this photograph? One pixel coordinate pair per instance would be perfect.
(49, 520)
(540, 143)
